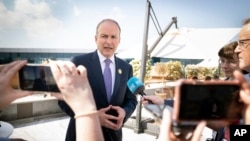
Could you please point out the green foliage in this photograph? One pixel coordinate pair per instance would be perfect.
(136, 64)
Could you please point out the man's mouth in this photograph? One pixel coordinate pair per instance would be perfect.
(107, 48)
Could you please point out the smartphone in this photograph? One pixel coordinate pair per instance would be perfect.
(37, 77)
(206, 100)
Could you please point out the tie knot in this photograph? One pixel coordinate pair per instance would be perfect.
(107, 62)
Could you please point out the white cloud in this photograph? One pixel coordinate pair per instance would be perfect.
(9, 19)
(35, 19)
(77, 11)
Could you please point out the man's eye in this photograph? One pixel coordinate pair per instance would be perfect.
(114, 37)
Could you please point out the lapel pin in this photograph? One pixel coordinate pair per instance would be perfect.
(119, 71)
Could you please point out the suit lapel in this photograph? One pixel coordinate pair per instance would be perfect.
(96, 68)
(118, 72)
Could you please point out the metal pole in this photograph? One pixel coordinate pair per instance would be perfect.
(144, 57)
(174, 21)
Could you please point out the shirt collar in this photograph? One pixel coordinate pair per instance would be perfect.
(103, 58)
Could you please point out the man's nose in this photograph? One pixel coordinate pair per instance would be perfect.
(109, 40)
(237, 49)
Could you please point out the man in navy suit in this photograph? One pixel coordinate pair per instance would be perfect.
(114, 112)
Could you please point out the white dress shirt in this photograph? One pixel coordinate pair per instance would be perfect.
(112, 66)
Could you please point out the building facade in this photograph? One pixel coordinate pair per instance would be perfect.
(38, 55)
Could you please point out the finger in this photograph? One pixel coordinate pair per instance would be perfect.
(165, 127)
(116, 107)
(113, 126)
(245, 87)
(71, 67)
(64, 68)
(58, 96)
(82, 70)
(198, 131)
(168, 120)
(245, 97)
(144, 99)
(11, 69)
(20, 94)
(56, 71)
(144, 103)
(106, 109)
(111, 117)
(6, 67)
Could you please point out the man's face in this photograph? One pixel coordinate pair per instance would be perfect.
(107, 38)
(243, 48)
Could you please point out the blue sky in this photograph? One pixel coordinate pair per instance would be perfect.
(72, 23)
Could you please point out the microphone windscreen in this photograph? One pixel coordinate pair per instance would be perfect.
(135, 85)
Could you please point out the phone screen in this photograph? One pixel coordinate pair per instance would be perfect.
(209, 102)
(37, 78)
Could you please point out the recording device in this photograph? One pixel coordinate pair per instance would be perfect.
(37, 77)
(136, 86)
(206, 100)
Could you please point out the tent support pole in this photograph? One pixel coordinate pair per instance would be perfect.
(138, 126)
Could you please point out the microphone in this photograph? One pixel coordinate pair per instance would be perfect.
(136, 86)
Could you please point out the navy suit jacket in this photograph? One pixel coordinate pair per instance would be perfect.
(121, 94)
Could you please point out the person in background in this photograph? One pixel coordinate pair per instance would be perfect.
(194, 78)
(166, 132)
(116, 104)
(228, 60)
(216, 77)
(228, 64)
(243, 54)
(208, 78)
(40, 83)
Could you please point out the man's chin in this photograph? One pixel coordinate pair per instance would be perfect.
(242, 65)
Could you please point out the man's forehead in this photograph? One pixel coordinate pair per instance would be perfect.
(248, 27)
(245, 32)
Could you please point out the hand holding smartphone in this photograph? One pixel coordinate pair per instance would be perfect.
(194, 101)
(206, 100)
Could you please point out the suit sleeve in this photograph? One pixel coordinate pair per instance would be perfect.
(65, 107)
(130, 101)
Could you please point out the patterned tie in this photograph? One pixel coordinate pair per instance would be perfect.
(108, 78)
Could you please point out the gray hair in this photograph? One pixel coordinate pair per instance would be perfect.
(110, 20)
(246, 22)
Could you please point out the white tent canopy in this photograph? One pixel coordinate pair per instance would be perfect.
(176, 45)
(195, 43)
